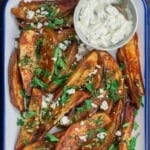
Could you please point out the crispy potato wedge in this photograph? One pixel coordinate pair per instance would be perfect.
(70, 55)
(60, 111)
(112, 128)
(43, 144)
(31, 123)
(27, 58)
(127, 131)
(64, 34)
(71, 138)
(78, 77)
(47, 52)
(15, 83)
(129, 56)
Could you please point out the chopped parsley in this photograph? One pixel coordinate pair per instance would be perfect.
(125, 125)
(30, 114)
(20, 121)
(38, 83)
(51, 138)
(112, 86)
(122, 66)
(87, 105)
(25, 61)
(113, 147)
(24, 94)
(42, 72)
(90, 87)
(90, 133)
(136, 126)
(141, 101)
(65, 96)
(132, 143)
(38, 45)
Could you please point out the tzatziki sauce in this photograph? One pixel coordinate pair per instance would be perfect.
(102, 23)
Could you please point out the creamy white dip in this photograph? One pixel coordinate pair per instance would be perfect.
(102, 24)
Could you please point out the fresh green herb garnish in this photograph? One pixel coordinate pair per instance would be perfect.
(125, 125)
(30, 114)
(101, 130)
(90, 87)
(65, 96)
(38, 83)
(112, 87)
(20, 121)
(141, 101)
(60, 80)
(25, 142)
(132, 143)
(42, 72)
(113, 147)
(25, 61)
(51, 138)
(122, 66)
(136, 126)
(90, 133)
(24, 94)
(38, 45)
(87, 105)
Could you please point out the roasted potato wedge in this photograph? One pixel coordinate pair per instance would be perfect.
(129, 56)
(32, 120)
(127, 131)
(70, 55)
(43, 144)
(27, 58)
(78, 77)
(15, 83)
(112, 128)
(72, 137)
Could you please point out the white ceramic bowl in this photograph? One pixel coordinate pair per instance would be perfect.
(133, 10)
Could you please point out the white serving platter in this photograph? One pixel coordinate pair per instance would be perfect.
(11, 114)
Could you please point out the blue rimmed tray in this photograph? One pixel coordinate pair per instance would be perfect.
(9, 114)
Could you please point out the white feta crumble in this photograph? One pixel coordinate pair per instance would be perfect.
(65, 121)
(42, 8)
(101, 90)
(39, 25)
(83, 138)
(54, 59)
(38, 11)
(44, 13)
(30, 14)
(82, 123)
(54, 104)
(104, 105)
(62, 46)
(45, 23)
(93, 73)
(27, 1)
(32, 25)
(71, 91)
(118, 133)
(101, 135)
(46, 100)
(119, 91)
(98, 66)
(67, 42)
(94, 105)
(78, 57)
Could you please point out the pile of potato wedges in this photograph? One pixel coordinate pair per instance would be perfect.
(92, 101)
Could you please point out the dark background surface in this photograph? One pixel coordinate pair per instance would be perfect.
(2, 73)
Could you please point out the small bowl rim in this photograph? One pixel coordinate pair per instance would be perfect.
(112, 47)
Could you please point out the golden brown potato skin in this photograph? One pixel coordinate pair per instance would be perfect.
(71, 139)
(15, 84)
(27, 50)
(129, 56)
(25, 134)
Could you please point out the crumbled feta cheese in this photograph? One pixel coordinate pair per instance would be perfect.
(54, 59)
(67, 42)
(93, 73)
(38, 11)
(118, 133)
(54, 104)
(45, 23)
(42, 8)
(101, 135)
(46, 100)
(39, 25)
(32, 25)
(27, 1)
(62, 46)
(100, 96)
(78, 57)
(82, 123)
(44, 13)
(83, 138)
(94, 105)
(71, 91)
(104, 105)
(30, 14)
(65, 121)
(119, 91)
(98, 66)
(101, 90)
(77, 129)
